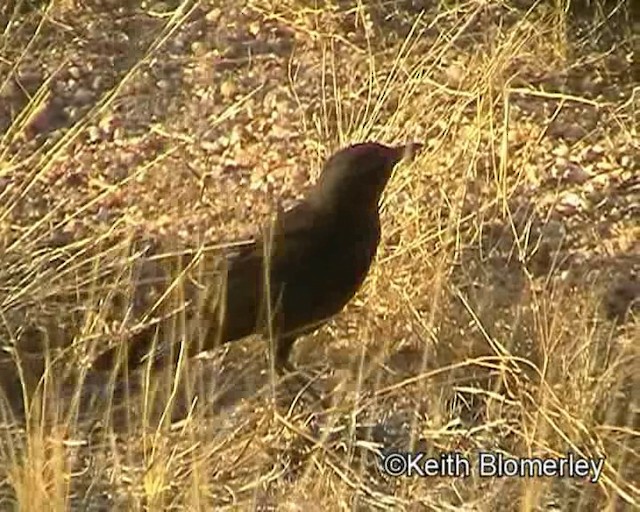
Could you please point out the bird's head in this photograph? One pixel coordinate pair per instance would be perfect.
(357, 175)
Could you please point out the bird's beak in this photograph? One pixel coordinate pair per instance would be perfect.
(408, 151)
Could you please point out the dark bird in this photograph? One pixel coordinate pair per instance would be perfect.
(316, 256)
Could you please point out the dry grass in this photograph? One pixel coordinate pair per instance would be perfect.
(482, 325)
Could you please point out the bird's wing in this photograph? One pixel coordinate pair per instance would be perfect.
(285, 240)
(289, 240)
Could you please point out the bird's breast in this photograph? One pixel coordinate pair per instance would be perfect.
(323, 283)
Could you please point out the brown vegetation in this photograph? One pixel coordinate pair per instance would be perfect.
(501, 313)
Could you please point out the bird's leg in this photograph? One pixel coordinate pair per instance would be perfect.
(283, 367)
(287, 370)
(284, 345)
